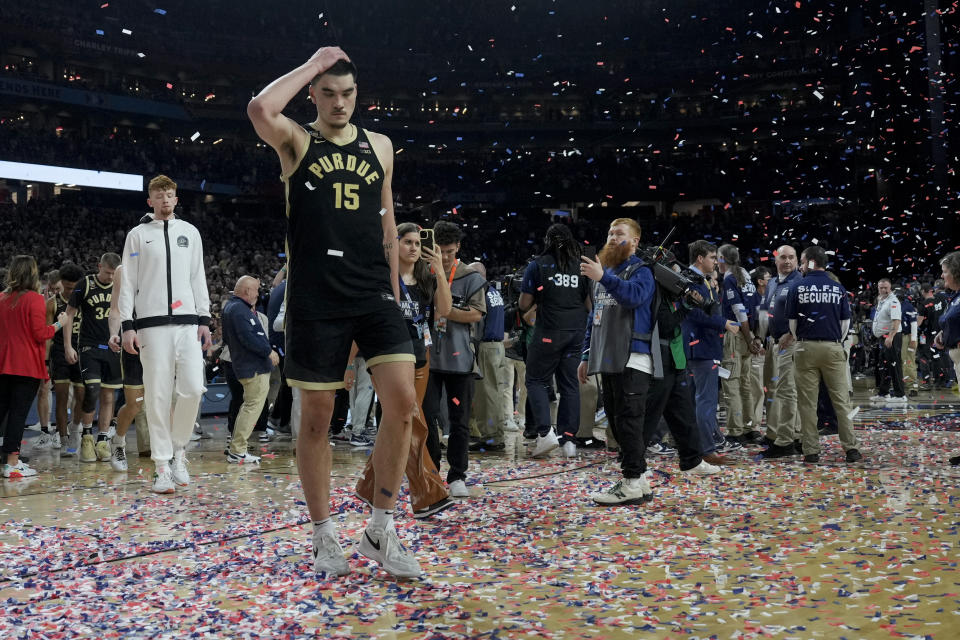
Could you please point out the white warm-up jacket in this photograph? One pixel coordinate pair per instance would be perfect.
(163, 282)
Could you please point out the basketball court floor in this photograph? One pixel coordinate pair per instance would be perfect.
(764, 550)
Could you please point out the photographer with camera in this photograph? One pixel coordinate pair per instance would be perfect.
(669, 396)
(552, 281)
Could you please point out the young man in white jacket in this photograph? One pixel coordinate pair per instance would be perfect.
(165, 314)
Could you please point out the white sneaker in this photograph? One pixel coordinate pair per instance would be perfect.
(510, 425)
(55, 441)
(17, 471)
(119, 459)
(897, 400)
(72, 444)
(179, 468)
(244, 459)
(458, 489)
(880, 399)
(328, 556)
(569, 449)
(703, 469)
(545, 444)
(386, 549)
(624, 491)
(163, 480)
(43, 442)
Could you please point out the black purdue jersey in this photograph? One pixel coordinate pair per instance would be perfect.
(92, 298)
(336, 262)
(60, 306)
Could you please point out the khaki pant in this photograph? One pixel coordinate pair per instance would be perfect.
(908, 357)
(813, 360)
(588, 407)
(516, 372)
(758, 390)
(736, 388)
(255, 391)
(783, 421)
(955, 358)
(488, 415)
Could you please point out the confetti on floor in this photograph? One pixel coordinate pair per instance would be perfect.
(765, 550)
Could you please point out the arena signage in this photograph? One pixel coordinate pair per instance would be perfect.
(69, 175)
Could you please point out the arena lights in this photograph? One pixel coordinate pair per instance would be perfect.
(70, 175)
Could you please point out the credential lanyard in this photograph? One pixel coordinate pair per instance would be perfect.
(453, 272)
(406, 292)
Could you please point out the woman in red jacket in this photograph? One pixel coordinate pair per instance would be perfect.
(23, 336)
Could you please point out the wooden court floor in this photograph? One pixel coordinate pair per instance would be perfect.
(764, 550)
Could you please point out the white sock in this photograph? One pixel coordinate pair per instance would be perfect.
(382, 518)
(119, 440)
(324, 527)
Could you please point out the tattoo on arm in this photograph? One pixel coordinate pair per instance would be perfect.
(387, 248)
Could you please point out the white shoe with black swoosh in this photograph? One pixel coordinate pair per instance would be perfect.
(328, 556)
(384, 547)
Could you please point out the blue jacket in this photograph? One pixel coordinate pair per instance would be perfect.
(243, 334)
(635, 293)
(739, 299)
(273, 310)
(702, 333)
(950, 321)
(908, 317)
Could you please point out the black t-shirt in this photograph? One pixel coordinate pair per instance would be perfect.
(92, 298)
(559, 296)
(415, 307)
(930, 309)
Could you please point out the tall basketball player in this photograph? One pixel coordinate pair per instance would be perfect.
(342, 287)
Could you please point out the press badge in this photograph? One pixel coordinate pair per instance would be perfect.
(597, 314)
(427, 340)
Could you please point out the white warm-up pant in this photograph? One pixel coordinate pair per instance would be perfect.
(361, 396)
(172, 360)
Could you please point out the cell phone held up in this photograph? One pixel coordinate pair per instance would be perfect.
(426, 238)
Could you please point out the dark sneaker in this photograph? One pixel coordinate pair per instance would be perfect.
(777, 451)
(729, 445)
(752, 437)
(590, 443)
(955, 460)
(360, 440)
(433, 509)
(812, 458)
(853, 455)
(484, 446)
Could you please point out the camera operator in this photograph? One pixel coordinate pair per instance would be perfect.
(552, 281)
(669, 396)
